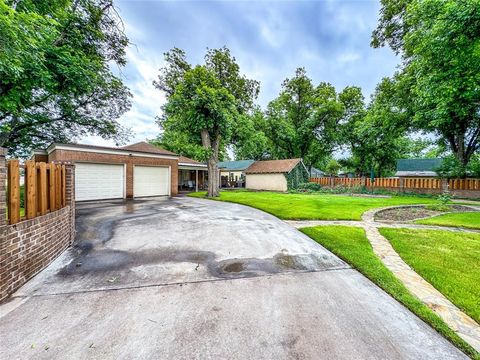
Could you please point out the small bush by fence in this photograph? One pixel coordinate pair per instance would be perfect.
(44, 189)
(467, 187)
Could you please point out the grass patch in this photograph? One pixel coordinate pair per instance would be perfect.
(464, 219)
(449, 261)
(438, 207)
(313, 206)
(351, 245)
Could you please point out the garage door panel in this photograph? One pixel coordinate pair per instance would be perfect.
(99, 181)
(151, 181)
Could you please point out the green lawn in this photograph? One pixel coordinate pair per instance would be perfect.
(313, 206)
(448, 260)
(351, 244)
(466, 219)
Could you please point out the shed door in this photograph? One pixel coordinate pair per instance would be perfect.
(98, 181)
(151, 181)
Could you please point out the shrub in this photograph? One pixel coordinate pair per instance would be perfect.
(438, 207)
(444, 198)
(309, 186)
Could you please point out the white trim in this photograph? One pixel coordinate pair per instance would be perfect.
(185, 167)
(192, 165)
(124, 180)
(109, 152)
(39, 152)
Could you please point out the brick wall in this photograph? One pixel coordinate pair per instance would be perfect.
(130, 161)
(29, 246)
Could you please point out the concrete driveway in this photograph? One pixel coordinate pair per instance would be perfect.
(188, 278)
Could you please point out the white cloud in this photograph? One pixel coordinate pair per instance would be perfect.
(348, 57)
(142, 69)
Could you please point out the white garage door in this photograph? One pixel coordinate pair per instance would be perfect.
(151, 181)
(98, 181)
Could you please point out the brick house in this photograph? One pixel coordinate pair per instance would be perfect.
(131, 171)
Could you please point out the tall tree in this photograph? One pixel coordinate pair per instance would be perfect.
(206, 104)
(353, 116)
(377, 133)
(55, 77)
(302, 120)
(439, 79)
(250, 141)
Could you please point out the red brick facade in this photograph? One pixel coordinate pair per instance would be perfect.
(130, 161)
(29, 246)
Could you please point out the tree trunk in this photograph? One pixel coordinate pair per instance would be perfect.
(212, 163)
(459, 151)
(213, 190)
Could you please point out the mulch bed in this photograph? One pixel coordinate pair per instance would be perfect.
(410, 213)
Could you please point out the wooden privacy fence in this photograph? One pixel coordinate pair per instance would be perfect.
(402, 183)
(44, 189)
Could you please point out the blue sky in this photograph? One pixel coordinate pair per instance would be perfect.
(330, 38)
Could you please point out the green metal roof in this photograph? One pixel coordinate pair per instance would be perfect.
(419, 164)
(235, 165)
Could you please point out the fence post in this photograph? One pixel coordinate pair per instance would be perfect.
(30, 189)
(445, 185)
(42, 188)
(401, 184)
(51, 186)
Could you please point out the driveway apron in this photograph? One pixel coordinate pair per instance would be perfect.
(188, 278)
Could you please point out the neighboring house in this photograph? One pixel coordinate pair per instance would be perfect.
(232, 173)
(135, 170)
(276, 175)
(418, 167)
(315, 173)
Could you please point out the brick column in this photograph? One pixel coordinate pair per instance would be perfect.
(70, 196)
(3, 192)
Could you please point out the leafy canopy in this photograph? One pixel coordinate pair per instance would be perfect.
(439, 82)
(55, 77)
(302, 120)
(206, 104)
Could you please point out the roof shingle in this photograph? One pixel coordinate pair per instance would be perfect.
(236, 165)
(185, 160)
(143, 146)
(272, 166)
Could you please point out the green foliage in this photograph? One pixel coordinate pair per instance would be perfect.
(438, 84)
(376, 135)
(460, 219)
(333, 167)
(305, 206)
(302, 121)
(206, 104)
(55, 77)
(438, 207)
(444, 198)
(447, 260)
(351, 245)
(308, 187)
(250, 141)
(451, 168)
(298, 175)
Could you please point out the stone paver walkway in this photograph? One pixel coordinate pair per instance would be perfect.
(458, 321)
